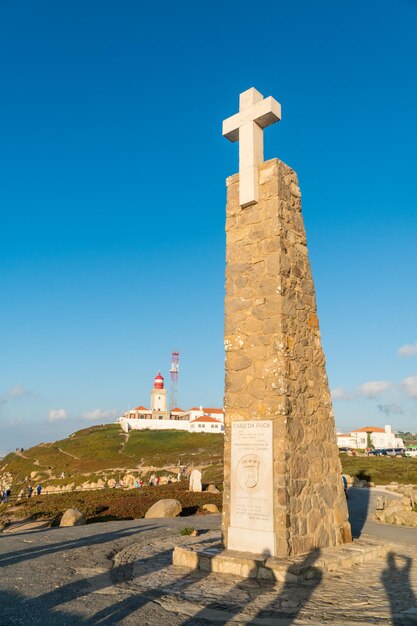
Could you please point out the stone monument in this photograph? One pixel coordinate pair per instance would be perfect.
(284, 506)
(283, 492)
(195, 481)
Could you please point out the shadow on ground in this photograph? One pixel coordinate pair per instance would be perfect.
(51, 608)
(397, 576)
(358, 505)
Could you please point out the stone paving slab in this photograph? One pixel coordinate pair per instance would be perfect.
(213, 557)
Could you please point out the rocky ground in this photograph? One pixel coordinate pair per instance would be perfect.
(120, 573)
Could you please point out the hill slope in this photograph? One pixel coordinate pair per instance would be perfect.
(107, 452)
(101, 453)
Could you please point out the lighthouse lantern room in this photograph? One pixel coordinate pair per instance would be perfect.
(159, 394)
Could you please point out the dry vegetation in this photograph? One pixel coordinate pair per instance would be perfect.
(105, 452)
(109, 504)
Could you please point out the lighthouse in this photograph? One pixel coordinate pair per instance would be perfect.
(158, 395)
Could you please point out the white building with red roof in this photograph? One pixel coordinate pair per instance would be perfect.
(206, 424)
(379, 437)
(211, 412)
(197, 419)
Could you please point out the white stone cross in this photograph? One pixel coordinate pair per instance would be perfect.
(255, 114)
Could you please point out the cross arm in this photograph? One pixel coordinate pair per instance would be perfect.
(264, 113)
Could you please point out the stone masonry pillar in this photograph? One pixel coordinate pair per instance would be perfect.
(283, 490)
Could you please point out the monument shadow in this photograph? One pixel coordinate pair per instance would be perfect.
(358, 506)
(278, 609)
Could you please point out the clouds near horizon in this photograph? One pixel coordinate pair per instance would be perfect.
(100, 414)
(57, 415)
(375, 388)
(409, 349)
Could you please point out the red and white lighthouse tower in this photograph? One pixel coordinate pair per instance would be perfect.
(158, 394)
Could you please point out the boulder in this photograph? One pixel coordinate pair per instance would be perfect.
(349, 479)
(72, 517)
(111, 483)
(129, 480)
(167, 507)
(394, 505)
(406, 503)
(361, 484)
(210, 508)
(406, 518)
(212, 489)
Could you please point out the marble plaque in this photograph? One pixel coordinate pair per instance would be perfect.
(251, 504)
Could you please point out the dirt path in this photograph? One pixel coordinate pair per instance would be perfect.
(124, 442)
(69, 454)
(22, 455)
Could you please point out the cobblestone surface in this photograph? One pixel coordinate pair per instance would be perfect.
(121, 573)
(368, 593)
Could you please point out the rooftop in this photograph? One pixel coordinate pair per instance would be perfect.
(369, 429)
(205, 418)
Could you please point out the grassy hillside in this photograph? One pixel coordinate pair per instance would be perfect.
(105, 451)
(381, 470)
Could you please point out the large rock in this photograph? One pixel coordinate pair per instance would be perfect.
(72, 517)
(210, 508)
(406, 518)
(129, 480)
(213, 489)
(350, 480)
(406, 503)
(167, 507)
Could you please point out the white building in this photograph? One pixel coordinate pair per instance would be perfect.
(206, 424)
(197, 419)
(380, 438)
(195, 412)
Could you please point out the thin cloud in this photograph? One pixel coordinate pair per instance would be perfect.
(390, 409)
(373, 388)
(57, 415)
(340, 393)
(409, 349)
(100, 414)
(409, 385)
(18, 391)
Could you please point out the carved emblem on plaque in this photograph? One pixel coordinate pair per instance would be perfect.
(248, 471)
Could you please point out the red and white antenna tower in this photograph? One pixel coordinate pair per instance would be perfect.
(175, 364)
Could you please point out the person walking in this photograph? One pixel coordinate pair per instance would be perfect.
(39, 489)
(30, 489)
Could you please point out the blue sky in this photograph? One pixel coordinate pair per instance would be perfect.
(112, 197)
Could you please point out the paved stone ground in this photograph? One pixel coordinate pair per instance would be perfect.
(120, 573)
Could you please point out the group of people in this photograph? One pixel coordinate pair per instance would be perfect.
(30, 490)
